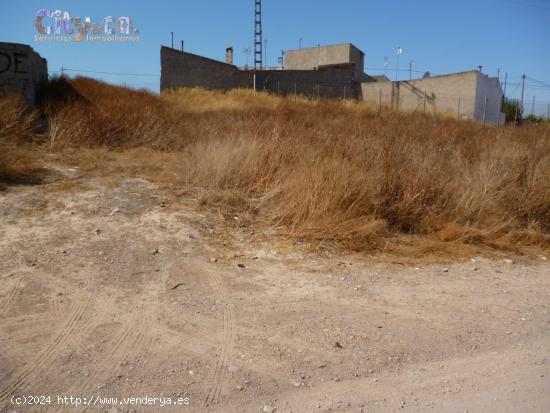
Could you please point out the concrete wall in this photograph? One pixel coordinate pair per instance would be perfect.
(489, 87)
(314, 57)
(377, 93)
(22, 70)
(181, 69)
(458, 95)
(331, 83)
(358, 58)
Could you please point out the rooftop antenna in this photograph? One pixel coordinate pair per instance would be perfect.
(246, 52)
(385, 65)
(172, 34)
(399, 52)
(258, 43)
(265, 53)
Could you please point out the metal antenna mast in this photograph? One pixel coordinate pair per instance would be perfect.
(258, 43)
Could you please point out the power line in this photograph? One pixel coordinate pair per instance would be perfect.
(538, 86)
(525, 4)
(540, 82)
(110, 73)
(383, 69)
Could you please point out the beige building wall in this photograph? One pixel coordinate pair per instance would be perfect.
(460, 95)
(313, 57)
(377, 93)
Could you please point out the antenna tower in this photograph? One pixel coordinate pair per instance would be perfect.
(258, 51)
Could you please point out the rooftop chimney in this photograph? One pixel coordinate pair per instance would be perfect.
(229, 55)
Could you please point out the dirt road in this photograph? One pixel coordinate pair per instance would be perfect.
(122, 289)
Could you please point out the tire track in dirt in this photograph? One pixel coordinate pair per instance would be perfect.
(129, 343)
(8, 299)
(74, 323)
(55, 307)
(5, 304)
(23, 337)
(228, 340)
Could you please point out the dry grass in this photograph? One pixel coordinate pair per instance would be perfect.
(320, 170)
(18, 161)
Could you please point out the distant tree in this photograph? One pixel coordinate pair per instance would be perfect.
(535, 119)
(512, 109)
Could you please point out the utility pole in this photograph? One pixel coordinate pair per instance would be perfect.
(265, 52)
(522, 91)
(182, 43)
(62, 73)
(505, 83)
(410, 70)
(533, 107)
(172, 34)
(300, 42)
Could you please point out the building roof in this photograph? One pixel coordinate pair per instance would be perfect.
(380, 78)
(326, 46)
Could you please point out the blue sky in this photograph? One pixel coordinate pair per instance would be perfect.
(437, 35)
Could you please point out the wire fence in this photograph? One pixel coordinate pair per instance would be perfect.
(107, 76)
(536, 92)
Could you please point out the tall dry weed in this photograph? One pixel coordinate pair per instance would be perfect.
(18, 138)
(323, 170)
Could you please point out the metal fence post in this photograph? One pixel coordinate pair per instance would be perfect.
(458, 113)
(425, 102)
(485, 111)
(380, 103)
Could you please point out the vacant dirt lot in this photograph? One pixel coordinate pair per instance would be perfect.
(121, 288)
